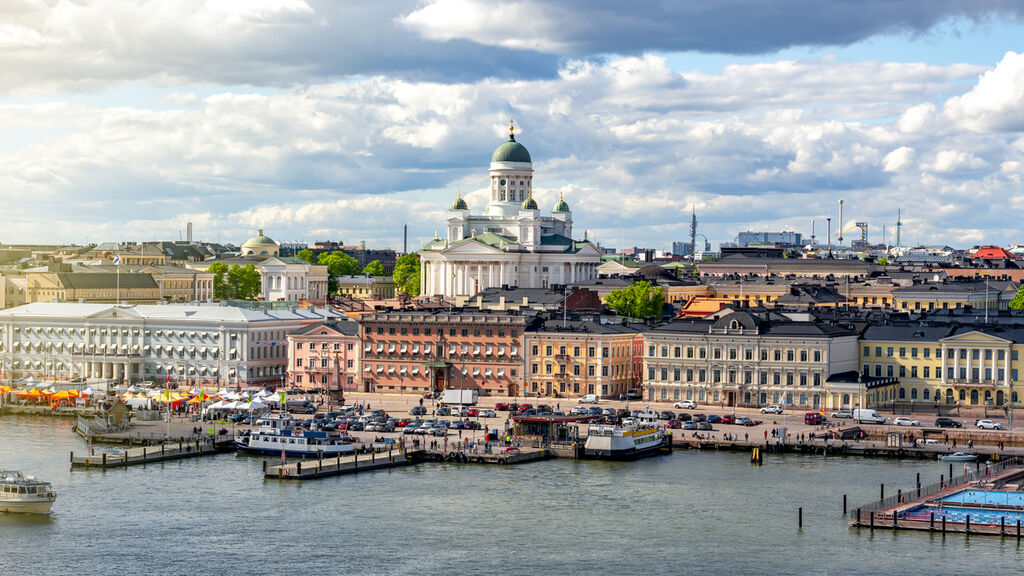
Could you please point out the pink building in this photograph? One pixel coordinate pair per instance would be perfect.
(325, 356)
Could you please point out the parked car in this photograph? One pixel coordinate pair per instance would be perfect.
(609, 412)
(402, 422)
(622, 413)
(744, 421)
(904, 421)
(472, 412)
(689, 425)
(943, 422)
(595, 411)
(588, 399)
(713, 419)
(728, 419)
(579, 410)
(488, 413)
(501, 406)
(690, 404)
(699, 417)
(773, 409)
(813, 418)
(667, 415)
(356, 426)
(842, 414)
(444, 411)
(673, 424)
(471, 425)
(683, 417)
(988, 425)
(417, 411)
(705, 426)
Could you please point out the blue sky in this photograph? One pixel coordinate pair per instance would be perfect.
(325, 120)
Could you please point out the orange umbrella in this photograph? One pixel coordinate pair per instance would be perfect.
(6, 389)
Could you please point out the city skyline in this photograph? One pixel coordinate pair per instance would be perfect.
(124, 121)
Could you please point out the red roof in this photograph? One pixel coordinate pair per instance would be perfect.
(993, 253)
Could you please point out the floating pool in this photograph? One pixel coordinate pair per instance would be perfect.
(985, 497)
(957, 514)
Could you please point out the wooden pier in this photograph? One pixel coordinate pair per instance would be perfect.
(311, 469)
(149, 454)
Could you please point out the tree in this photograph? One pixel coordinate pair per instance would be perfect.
(244, 282)
(1018, 301)
(221, 291)
(374, 268)
(638, 300)
(338, 264)
(306, 255)
(407, 274)
(883, 261)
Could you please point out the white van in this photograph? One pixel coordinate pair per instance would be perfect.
(588, 399)
(867, 416)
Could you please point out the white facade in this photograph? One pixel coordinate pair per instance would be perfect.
(511, 243)
(204, 344)
(292, 279)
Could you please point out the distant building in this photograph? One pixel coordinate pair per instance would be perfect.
(681, 249)
(260, 245)
(366, 287)
(324, 355)
(784, 238)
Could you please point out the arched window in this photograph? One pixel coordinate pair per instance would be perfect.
(928, 393)
(974, 396)
(1000, 398)
(903, 393)
(1013, 396)
(913, 393)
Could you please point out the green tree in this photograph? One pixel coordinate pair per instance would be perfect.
(306, 255)
(883, 261)
(374, 268)
(338, 264)
(638, 300)
(407, 274)
(221, 291)
(244, 281)
(1018, 301)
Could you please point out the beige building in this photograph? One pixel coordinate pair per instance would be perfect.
(98, 287)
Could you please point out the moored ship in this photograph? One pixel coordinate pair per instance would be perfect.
(25, 494)
(275, 436)
(631, 440)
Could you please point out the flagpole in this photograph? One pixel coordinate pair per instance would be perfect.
(117, 268)
(167, 397)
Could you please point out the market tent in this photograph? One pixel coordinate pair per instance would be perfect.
(65, 395)
(6, 389)
(29, 380)
(89, 392)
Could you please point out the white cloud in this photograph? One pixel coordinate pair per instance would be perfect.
(951, 160)
(898, 159)
(996, 103)
(917, 118)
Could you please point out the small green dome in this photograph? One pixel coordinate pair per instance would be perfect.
(530, 204)
(459, 204)
(511, 151)
(561, 206)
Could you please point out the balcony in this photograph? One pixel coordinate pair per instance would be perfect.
(562, 357)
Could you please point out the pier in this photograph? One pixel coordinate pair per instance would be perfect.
(937, 508)
(322, 467)
(148, 454)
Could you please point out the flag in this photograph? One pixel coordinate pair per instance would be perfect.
(117, 260)
(284, 397)
(250, 396)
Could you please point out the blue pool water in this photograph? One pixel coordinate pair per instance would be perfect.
(957, 514)
(986, 497)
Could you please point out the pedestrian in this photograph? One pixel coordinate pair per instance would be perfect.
(954, 443)
(766, 435)
(746, 437)
(970, 443)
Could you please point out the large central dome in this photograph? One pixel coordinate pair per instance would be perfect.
(511, 151)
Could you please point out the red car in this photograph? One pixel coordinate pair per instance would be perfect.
(402, 423)
(728, 419)
(673, 424)
(501, 406)
(472, 412)
(525, 407)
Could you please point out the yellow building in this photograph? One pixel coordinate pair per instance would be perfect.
(98, 287)
(946, 365)
(367, 287)
(571, 358)
(976, 293)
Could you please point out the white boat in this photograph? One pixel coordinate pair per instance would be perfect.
(644, 437)
(958, 457)
(25, 494)
(276, 435)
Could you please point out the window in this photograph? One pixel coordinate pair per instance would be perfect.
(576, 370)
(913, 371)
(689, 352)
(878, 351)
(803, 355)
(927, 372)
(817, 355)
(650, 350)
(547, 350)
(676, 373)
(903, 371)
(664, 351)
(664, 374)
(716, 353)
(867, 351)
(927, 352)
(677, 352)
(650, 372)
(533, 368)
(889, 351)
(298, 345)
(903, 352)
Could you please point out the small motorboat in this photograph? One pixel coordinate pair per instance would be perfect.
(958, 457)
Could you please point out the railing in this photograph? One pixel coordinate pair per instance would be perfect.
(926, 490)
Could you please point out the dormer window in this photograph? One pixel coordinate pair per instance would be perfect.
(734, 325)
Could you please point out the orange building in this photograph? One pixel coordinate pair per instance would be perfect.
(420, 351)
(325, 356)
(570, 358)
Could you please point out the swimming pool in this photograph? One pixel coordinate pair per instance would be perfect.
(957, 514)
(985, 497)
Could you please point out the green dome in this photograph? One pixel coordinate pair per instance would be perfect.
(561, 206)
(530, 204)
(459, 204)
(511, 151)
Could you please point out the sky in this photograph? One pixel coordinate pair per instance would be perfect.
(345, 120)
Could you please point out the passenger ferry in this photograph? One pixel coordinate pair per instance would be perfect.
(276, 435)
(25, 494)
(635, 439)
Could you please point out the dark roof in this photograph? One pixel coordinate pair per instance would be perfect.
(345, 327)
(765, 323)
(907, 333)
(106, 280)
(580, 326)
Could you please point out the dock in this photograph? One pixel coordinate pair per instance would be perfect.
(149, 454)
(930, 509)
(323, 467)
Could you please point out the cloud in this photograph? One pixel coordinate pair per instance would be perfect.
(996, 103)
(631, 143)
(898, 159)
(580, 27)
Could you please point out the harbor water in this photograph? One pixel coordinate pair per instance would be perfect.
(686, 512)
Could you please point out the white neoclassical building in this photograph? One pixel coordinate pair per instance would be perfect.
(292, 279)
(510, 244)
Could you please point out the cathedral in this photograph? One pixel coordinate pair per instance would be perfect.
(510, 244)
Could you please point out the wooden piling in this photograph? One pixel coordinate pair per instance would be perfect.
(844, 504)
(800, 517)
